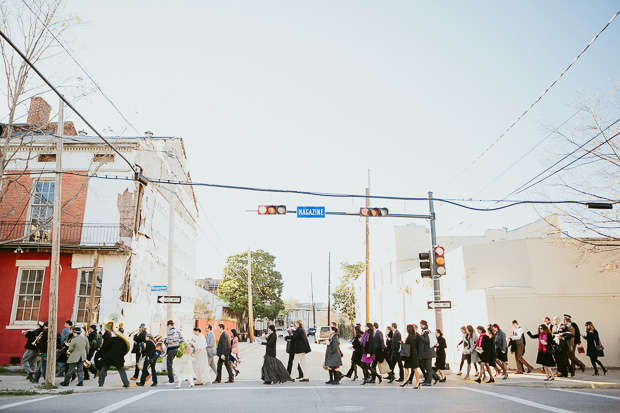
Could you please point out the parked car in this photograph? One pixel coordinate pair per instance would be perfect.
(323, 335)
(312, 331)
(280, 332)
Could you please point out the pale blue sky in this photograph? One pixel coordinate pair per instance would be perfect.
(310, 95)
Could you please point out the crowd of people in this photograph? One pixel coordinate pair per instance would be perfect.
(90, 350)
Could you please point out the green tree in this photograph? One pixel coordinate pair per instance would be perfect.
(266, 285)
(344, 295)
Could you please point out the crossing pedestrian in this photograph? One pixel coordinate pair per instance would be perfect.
(234, 351)
(211, 350)
(152, 352)
(201, 361)
(484, 348)
(440, 350)
(517, 344)
(113, 350)
(501, 350)
(427, 354)
(333, 360)
(562, 336)
(41, 343)
(78, 353)
(139, 340)
(410, 355)
(223, 356)
(595, 348)
(368, 355)
(574, 341)
(395, 353)
(356, 357)
(173, 341)
(472, 337)
(300, 347)
(545, 350)
(273, 370)
(29, 359)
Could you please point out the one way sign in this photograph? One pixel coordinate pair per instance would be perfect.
(169, 299)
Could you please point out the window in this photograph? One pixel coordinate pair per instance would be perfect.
(103, 157)
(42, 204)
(28, 297)
(82, 298)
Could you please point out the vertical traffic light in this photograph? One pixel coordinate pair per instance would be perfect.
(440, 261)
(425, 264)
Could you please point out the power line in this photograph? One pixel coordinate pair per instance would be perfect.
(81, 67)
(25, 58)
(537, 100)
(453, 202)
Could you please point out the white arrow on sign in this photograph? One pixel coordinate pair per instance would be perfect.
(169, 299)
(439, 304)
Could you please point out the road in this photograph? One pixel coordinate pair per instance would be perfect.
(248, 393)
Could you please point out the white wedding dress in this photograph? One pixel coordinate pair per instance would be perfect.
(201, 361)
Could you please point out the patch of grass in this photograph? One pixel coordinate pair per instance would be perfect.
(19, 392)
(163, 372)
(47, 386)
(65, 392)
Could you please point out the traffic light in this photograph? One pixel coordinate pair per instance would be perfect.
(374, 212)
(440, 261)
(271, 209)
(425, 264)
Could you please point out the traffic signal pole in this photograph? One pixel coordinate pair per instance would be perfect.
(367, 261)
(436, 286)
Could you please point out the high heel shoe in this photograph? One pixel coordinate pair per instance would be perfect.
(364, 382)
(442, 380)
(595, 373)
(417, 387)
(354, 378)
(604, 371)
(404, 384)
(478, 380)
(236, 373)
(491, 380)
(380, 379)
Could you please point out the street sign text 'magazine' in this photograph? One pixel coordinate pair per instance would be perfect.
(310, 212)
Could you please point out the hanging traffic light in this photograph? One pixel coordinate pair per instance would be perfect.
(425, 264)
(374, 212)
(271, 209)
(440, 261)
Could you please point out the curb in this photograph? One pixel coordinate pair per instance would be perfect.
(547, 385)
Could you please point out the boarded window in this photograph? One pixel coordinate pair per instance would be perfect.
(47, 157)
(103, 158)
(83, 297)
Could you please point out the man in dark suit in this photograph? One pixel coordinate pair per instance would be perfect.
(427, 354)
(379, 347)
(395, 350)
(114, 350)
(223, 356)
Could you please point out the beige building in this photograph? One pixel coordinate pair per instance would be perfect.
(524, 274)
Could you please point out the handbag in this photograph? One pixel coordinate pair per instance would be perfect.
(384, 367)
(600, 347)
(405, 350)
(479, 350)
(580, 350)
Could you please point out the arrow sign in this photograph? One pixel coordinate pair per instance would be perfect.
(169, 299)
(433, 305)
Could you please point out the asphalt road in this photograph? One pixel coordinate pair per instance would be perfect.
(248, 393)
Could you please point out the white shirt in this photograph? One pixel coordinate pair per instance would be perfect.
(517, 333)
(201, 342)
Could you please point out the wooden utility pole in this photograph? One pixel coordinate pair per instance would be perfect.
(93, 289)
(52, 318)
(250, 309)
(367, 260)
(329, 288)
(171, 229)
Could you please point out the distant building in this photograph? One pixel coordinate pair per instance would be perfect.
(209, 284)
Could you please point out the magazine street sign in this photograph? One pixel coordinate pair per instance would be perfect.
(310, 212)
(159, 288)
(169, 299)
(433, 305)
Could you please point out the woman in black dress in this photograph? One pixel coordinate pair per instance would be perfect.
(273, 370)
(356, 357)
(412, 362)
(593, 352)
(545, 350)
(440, 350)
(484, 347)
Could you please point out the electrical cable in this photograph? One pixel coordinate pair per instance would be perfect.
(81, 67)
(537, 100)
(25, 58)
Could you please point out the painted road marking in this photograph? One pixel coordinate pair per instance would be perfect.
(8, 406)
(518, 400)
(588, 394)
(125, 402)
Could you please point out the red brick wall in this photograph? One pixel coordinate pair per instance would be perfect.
(12, 339)
(15, 204)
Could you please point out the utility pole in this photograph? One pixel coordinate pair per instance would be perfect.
(367, 260)
(329, 288)
(93, 289)
(313, 306)
(436, 286)
(171, 228)
(250, 309)
(52, 320)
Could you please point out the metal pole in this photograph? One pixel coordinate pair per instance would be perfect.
(329, 288)
(170, 288)
(367, 261)
(436, 286)
(52, 320)
(313, 306)
(250, 309)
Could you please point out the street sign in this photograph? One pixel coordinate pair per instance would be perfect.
(159, 288)
(169, 299)
(310, 212)
(433, 305)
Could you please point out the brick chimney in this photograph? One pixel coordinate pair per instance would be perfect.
(39, 112)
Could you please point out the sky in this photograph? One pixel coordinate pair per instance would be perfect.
(331, 96)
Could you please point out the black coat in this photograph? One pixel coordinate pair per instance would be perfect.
(223, 346)
(378, 346)
(271, 345)
(487, 345)
(414, 343)
(114, 351)
(138, 343)
(396, 340)
(424, 349)
(32, 336)
(577, 333)
(368, 347)
(356, 357)
(299, 342)
(593, 340)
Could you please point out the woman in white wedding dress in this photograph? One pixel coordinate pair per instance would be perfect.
(201, 361)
